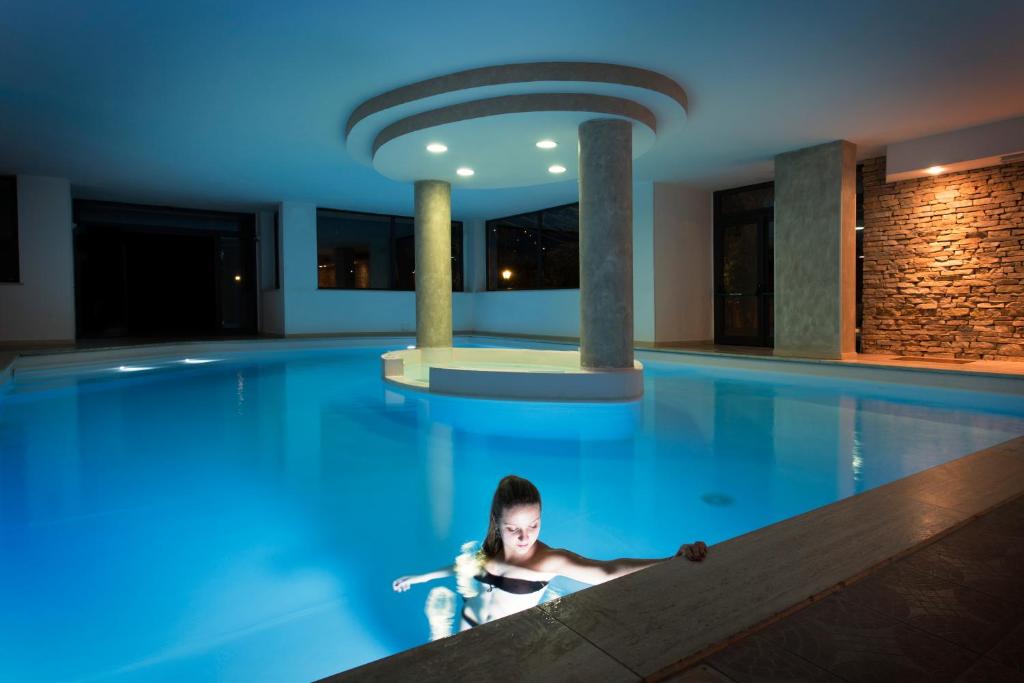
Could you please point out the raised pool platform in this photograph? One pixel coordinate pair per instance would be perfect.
(519, 374)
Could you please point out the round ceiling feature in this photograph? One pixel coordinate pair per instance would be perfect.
(499, 148)
(556, 169)
(464, 171)
(437, 148)
(496, 116)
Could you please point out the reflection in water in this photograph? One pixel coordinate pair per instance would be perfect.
(440, 611)
(240, 391)
(440, 474)
(532, 419)
(857, 463)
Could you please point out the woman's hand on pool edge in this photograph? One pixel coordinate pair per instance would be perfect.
(695, 552)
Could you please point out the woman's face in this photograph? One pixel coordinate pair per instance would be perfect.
(520, 526)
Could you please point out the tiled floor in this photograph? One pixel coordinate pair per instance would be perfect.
(951, 611)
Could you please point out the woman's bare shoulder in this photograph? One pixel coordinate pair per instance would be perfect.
(551, 560)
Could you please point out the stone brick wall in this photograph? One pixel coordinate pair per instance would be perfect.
(944, 264)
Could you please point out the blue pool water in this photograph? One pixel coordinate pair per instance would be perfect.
(243, 519)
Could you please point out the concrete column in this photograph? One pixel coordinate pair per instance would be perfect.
(433, 238)
(606, 243)
(815, 251)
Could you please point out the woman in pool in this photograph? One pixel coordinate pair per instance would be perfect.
(512, 568)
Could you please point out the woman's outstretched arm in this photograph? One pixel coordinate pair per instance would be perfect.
(585, 570)
(404, 583)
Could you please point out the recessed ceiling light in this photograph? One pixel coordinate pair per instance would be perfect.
(934, 170)
(465, 171)
(547, 144)
(557, 168)
(860, 227)
(437, 148)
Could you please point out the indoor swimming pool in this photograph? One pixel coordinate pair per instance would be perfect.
(241, 517)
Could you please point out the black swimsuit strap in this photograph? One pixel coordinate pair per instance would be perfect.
(511, 585)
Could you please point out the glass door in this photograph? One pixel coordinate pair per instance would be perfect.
(744, 275)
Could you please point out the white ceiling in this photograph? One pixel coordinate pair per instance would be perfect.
(242, 103)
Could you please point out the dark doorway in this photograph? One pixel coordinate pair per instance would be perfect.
(744, 265)
(159, 272)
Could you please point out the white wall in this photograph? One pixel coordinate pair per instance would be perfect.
(671, 262)
(683, 253)
(543, 312)
(958, 150)
(547, 313)
(644, 270)
(474, 255)
(42, 306)
(271, 298)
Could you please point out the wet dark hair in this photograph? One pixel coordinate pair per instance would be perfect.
(511, 491)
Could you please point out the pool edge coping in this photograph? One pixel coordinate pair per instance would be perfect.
(39, 360)
(603, 622)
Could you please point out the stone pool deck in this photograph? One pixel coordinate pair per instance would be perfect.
(950, 611)
(661, 622)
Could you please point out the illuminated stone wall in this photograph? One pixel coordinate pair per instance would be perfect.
(944, 264)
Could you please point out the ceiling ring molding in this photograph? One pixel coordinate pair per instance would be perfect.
(532, 72)
(518, 104)
(486, 121)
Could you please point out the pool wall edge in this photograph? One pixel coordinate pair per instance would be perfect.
(656, 622)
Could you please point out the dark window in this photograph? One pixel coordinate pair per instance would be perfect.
(744, 265)
(162, 271)
(9, 269)
(537, 250)
(372, 251)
